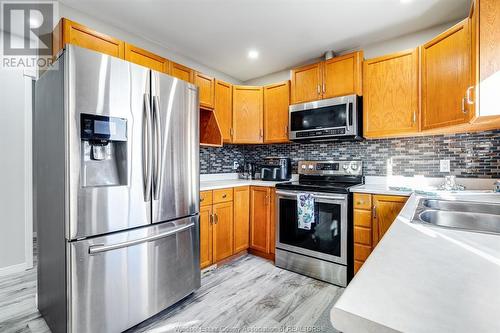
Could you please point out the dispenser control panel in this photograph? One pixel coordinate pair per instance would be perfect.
(95, 127)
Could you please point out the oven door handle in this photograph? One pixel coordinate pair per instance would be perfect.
(294, 194)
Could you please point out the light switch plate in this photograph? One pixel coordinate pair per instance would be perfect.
(444, 166)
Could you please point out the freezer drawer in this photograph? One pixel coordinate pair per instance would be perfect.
(118, 281)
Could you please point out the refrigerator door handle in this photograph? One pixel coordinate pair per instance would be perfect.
(157, 148)
(99, 248)
(147, 150)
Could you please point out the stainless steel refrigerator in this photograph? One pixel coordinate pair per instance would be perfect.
(116, 192)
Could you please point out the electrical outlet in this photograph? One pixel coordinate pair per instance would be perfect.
(444, 166)
(236, 165)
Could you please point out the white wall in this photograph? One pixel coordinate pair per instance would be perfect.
(15, 172)
(370, 51)
(143, 42)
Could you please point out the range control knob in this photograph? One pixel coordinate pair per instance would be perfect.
(311, 167)
(354, 166)
(345, 166)
(303, 166)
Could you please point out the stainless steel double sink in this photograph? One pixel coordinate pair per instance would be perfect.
(464, 215)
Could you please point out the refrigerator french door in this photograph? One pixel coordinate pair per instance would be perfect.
(117, 192)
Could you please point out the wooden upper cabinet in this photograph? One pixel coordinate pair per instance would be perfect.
(385, 210)
(260, 214)
(181, 72)
(446, 72)
(391, 94)
(306, 83)
(145, 58)
(342, 75)
(241, 207)
(207, 89)
(222, 230)
(206, 236)
(276, 103)
(224, 108)
(247, 114)
(69, 32)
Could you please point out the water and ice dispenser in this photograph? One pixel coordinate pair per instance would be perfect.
(103, 151)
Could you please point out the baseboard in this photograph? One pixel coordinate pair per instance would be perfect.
(268, 256)
(13, 269)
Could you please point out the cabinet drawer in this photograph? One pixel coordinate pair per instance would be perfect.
(206, 198)
(362, 201)
(363, 236)
(363, 218)
(361, 252)
(223, 195)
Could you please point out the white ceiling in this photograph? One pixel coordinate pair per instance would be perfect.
(219, 33)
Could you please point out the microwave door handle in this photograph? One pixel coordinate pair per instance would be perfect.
(347, 116)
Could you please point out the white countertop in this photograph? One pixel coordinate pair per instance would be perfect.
(422, 278)
(378, 189)
(226, 180)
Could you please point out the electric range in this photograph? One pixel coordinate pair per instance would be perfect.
(325, 250)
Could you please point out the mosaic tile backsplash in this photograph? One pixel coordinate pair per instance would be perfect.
(474, 155)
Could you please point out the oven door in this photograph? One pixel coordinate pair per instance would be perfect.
(327, 238)
(324, 118)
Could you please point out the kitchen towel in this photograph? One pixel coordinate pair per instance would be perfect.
(305, 210)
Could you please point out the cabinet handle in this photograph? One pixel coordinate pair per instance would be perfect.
(201, 199)
(216, 216)
(211, 218)
(319, 90)
(468, 95)
(414, 117)
(464, 110)
(224, 196)
(324, 88)
(260, 133)
(360, 202)
(231, 132)
(374, 212)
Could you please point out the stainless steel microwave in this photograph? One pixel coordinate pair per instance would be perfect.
(326, 119)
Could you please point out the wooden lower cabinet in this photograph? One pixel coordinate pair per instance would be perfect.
(224, 223)
(222, 230)
(373, 215)
(205, 236)
(261, 221)
(241, 218)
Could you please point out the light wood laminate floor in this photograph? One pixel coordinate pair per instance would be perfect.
(249, 294)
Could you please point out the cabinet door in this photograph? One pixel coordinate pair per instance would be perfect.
(69, 32)
(385, 210)
(276, 102)
(181, 72)
(224, 108)
(259, 218)
(241, 218)
(205, 236)
(247, 114)
(391, 98)
(342, 75)
(222, 230)
(306, 83)
(145, 58)
(207, 89)
(446, 77)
